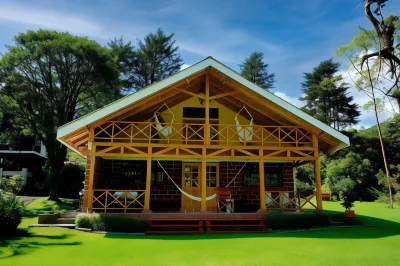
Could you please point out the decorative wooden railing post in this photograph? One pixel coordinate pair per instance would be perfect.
(263, 206)
(207, 125)
(92, 150)
(148, 182)
(203, 182)
(317, 172)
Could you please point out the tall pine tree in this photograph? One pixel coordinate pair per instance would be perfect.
(327, 97)
(255, 70)
(155, 59)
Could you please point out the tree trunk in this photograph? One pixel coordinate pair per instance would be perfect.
(378, 125)
(56, 157)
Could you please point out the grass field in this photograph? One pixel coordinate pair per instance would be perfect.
(378, 245)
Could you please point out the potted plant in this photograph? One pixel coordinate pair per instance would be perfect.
(348, 203)
(348, 196)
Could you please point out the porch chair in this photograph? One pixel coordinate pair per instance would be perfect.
(224, 199)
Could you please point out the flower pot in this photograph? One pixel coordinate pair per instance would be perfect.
(350, 214)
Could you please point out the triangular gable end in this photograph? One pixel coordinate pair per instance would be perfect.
(79, 126)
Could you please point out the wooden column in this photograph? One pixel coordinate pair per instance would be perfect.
(91, 171)
(263, 205)
(203, 185)
(317, 173)
(148, 182)
(207, 126)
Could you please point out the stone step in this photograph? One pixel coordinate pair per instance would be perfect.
(69, 214)
(65, 221)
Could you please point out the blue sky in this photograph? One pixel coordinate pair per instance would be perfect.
(293, 35)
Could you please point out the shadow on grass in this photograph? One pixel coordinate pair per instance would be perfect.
(366, 228)
(51, 206)
(25, 243)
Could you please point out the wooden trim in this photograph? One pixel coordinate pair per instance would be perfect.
(148, 182)
(317, 173)
(263, 206)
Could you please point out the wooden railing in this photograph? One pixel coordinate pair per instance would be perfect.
(192, 133)
(113, 200)
(290, 200)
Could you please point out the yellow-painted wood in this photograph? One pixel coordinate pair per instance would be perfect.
(148, 183)
(191, 183)
(263, 205)
(317, 173)
(203, 182)
(91, 171)
(207, 126)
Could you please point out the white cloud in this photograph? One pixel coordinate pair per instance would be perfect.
(184, 66)
(293, 100)
(50, 19)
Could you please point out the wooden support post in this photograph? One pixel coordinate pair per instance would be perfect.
(317, 173)
(92, 151)
(203, 185)
(148, 182)
(263, 205)
(207, 130)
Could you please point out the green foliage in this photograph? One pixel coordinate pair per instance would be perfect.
(49, 78)
(346, 192)
(99, 222)
(12, 184)
(326, 96)
(255, 70)
(368, 42)
(71, 180)
(296, 221)
(352, 167)
(155, 59)
(11, 211)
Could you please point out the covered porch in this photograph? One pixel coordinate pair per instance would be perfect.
(139, 187)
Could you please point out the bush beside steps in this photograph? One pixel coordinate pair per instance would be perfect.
(279, 221)
(100, 222)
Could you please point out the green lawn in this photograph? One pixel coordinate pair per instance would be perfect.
(347, 246)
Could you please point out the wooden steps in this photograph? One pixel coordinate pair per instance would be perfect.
(241, 225)
(206, 225)
(175, 226)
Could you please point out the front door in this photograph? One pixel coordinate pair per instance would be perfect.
(191, 184)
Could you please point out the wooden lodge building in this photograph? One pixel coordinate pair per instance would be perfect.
(203, 140)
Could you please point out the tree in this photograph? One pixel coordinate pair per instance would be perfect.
(354, 167)
(125, 53)
(370, 79)
(327, 97)
(155, 59)
(47, 78)
(255, 70)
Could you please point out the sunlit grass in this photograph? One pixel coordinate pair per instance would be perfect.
(378, 245)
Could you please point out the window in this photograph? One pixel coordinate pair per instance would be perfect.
(191, 176)
(272, 175)
(199, 112)
(211, 176)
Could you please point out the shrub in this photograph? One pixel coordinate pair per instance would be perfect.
(296, 221)
(11, 211)
(396, 197)
(98, 222)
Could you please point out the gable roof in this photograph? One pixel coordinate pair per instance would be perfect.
(124, 102)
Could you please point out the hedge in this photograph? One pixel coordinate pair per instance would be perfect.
(99, 222)
(296, 220)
